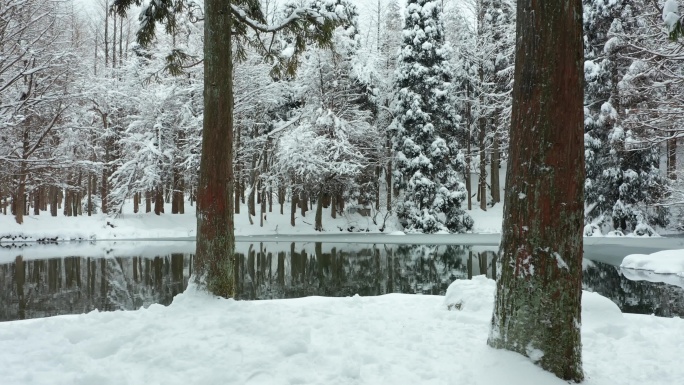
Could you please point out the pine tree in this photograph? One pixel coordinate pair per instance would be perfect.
(622, 175)
(426, 134)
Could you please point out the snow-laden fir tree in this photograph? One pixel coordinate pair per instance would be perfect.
(426, 134)
(623, 179)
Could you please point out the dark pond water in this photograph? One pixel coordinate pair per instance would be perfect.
(32, 288)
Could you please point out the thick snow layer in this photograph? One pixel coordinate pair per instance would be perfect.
(661, 262)
(392, 339)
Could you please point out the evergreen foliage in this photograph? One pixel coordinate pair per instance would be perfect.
(623, 179)
(426, 134)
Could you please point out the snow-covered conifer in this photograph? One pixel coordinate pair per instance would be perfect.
(426, 134)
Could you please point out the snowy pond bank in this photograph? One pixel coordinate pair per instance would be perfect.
(389, 339)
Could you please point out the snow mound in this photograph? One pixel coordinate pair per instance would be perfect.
(599, 312)
(397, 233)
(661, 262)
(475, 295)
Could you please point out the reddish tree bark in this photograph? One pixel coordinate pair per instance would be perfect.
(214, 263)
(537, 308)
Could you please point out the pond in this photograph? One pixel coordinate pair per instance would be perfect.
(52, 280)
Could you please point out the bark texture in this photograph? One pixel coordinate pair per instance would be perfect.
(214, 263)
(537, 307)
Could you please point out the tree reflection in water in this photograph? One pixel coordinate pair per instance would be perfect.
(31, 288)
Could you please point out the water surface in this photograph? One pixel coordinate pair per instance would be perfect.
(122, 277)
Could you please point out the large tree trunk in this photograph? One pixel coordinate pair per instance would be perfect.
(538, 299)
(214, 264)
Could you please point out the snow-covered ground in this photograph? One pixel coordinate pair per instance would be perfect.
(151, 226)
(392, 339)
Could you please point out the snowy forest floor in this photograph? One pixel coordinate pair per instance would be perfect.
(178, 226)
(391, 339)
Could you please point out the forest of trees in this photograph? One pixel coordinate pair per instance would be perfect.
(388, 119)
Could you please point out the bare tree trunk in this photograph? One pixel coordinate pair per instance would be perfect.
(90, 195)
(388, 176)
(148, 201)
(333, 205)
(494, 170)
(468, 171)
(19, 198)
(136, 203)
(293, 208)
(159, 200)
(114, 43)
(319, 213)
(36, 201)
(281, 199)
(538, 296)
(106, 39)
(54, 197)
(672, 158)
(482, 183)
(303, 203)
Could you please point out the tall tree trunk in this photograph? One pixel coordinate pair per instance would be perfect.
(495, 187)
(214, 260)
(538, 298)
(468, 176)
(136, 202)
(388, 176)
(482, 182)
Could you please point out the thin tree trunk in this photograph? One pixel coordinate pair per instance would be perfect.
(482, 183)
(494, 170)
(90, 195)
(538, 298)
(468, 172)
(136, 203)
(672, 158)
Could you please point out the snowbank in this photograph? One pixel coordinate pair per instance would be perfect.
(661, 262)
(392, 339)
